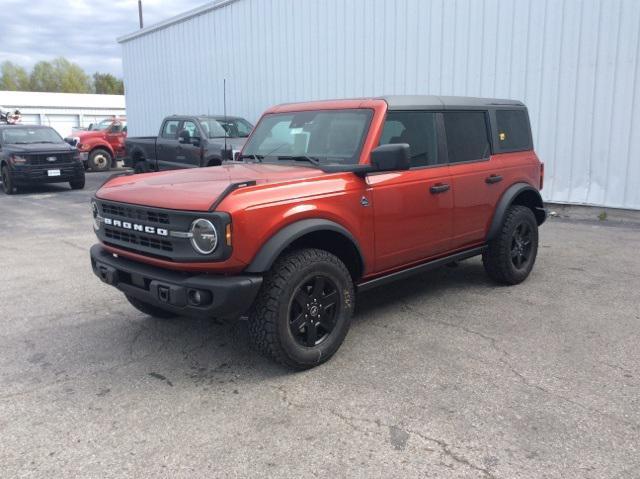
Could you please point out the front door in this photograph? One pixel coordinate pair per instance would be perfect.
(412, 208)
(167, 144)
(189, 154)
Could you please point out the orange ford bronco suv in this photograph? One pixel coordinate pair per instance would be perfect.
(332, 198)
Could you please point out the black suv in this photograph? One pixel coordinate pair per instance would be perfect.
(37, 154)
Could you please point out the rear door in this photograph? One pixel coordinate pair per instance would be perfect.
(412, 208)
(167, 144)
(477, 183)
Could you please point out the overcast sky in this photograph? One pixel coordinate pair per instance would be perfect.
(84, 31)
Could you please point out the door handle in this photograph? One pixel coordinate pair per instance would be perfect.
(493, 179)
(439, 188)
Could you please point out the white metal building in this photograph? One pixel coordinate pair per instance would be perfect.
(63, 111)
(575, 63)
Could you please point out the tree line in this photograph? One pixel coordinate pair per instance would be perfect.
(58, 76)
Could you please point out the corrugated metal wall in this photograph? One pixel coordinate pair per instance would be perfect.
(574, 62)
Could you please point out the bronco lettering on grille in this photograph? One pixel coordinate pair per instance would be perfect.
(136, 227)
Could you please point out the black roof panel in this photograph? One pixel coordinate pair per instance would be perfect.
(433, 102)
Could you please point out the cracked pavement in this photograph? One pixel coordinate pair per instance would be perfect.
(443, 375)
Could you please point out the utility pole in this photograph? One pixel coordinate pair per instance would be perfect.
(140, 12)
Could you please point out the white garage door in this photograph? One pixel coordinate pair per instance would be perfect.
(30, 119)
(63, 124)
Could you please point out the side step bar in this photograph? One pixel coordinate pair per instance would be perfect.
(421, 268)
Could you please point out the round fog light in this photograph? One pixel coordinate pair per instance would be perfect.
(199, 298)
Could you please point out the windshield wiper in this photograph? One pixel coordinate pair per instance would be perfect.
(310, 159)
(256, 158)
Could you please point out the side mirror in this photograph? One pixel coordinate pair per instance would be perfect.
(184, 137)
(392, 157)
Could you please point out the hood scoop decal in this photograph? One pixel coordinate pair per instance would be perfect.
(228, 190)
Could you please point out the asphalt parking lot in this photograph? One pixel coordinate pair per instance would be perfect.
(443, 375)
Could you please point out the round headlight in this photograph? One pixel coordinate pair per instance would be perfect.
(205, 236)
(94, 212)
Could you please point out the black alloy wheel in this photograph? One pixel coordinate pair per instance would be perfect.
(313, 309)
(521, 245)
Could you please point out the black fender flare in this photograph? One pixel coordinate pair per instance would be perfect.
(275, 245)
(507, 200)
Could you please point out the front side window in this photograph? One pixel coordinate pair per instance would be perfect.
(191, 128)
(418, 129)
(170, 129)
(513, 130)
(327, 136)
(229, 128)
(467, 135)
(24, 136)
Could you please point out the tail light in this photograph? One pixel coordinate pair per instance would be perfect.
(541, 175)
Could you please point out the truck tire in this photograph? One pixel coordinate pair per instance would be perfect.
(100, 160)
(141, 167)
(303, 310)
(149, 309)
(7, 181)
(510, 256)
(77, 184)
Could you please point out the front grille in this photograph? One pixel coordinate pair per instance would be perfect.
(138, 239)
(41, 159)
(132, 213)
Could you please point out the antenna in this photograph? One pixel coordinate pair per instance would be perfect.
(224, 106)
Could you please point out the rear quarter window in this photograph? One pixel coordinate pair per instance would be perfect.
(513, 130)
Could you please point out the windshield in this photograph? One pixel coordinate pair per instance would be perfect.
(328, 136)
(231, 128)
(103, 125)
(30, 135)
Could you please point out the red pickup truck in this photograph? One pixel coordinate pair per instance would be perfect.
(101, 144)
(334, 197)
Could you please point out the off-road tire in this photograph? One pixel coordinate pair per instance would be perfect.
(141, 167)
(77, 184)
(149, 309)
(269, 317)
(7, 181)
(498, 258)
(100, 160)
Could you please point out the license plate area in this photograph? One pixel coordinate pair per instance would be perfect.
(53, 172)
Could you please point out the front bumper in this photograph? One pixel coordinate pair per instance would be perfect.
(23, 175)
(229, 296)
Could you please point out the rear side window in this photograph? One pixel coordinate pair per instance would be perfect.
(418, 129)
(467, 135)
(513, 130)
(170, 129)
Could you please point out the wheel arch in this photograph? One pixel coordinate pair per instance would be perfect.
(311, 233)
(517, 194)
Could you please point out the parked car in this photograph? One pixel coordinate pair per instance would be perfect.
(188, 142)
(334, 198)
(102, 144)
(32, 154)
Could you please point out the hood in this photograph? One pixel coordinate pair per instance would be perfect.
(196, 189)
(40, 148)
(84, 135)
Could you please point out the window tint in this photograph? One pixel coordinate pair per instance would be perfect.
(418, 129)
(191, 128)
(170, 129)
(467, 138)
(513, 130)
